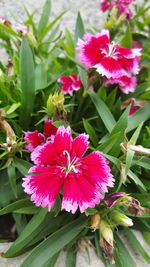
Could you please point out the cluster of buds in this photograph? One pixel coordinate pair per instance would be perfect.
(12, 145)
(115, 21)
(111, 217)
(55, 106)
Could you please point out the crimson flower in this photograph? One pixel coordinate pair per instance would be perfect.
(115, 63)
(60, 166)
(70, 83)
(126, 84)
(35, 138)
(122, 6)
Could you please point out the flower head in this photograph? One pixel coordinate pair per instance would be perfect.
(60, 165)
(121, 5)
(35, 138)
(70, 83)
(110, 59)
(21, 28)
(126, 84)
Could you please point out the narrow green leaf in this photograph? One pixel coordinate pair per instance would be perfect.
(146, 236)
(44, 17)
(135, 119)
(22, 165)
(137, 181)
(16, 205)
(91, 132)
(121, 127)
(49, 27)
(79, 28)
(49, 247)
(27, 234)
(71, 257)
(109, 143)
(136, 244)
(145, 163)
(27, 76)
(130, 153)
(127, 39)
(123, 255)
(52, 261)
(12, 179)
(103, 111)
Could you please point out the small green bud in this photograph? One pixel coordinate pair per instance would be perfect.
(55, 103)
(32, 40)
(121, 219)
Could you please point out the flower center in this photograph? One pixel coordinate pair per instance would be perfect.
(71, 164)
(110, 51)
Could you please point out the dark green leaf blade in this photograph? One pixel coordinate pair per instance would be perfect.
(48, 248)
(27, 76)
(44, 17)
(103, 111)
(136, 245)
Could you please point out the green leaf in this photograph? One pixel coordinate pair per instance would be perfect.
(31, 230)
(91, 132)
(135, 119)
(127, 39)
(44, 17)
(130, 153)
(146, 236)
(137, 181)
(121, 127)
(79, 28)
(71, 257)
(136, 245)
(27, 75)
(49, 247)
(103, 111)
(16, 205)
(109, 143)
(122, 256)
(22, 165)
(49, 27)
(12, 179)
(40, 77)
(52, 261)
(145, 163)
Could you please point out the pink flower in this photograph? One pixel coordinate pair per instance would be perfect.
(105, 5)
(21, 28)
(70, 83)
(110, 59)
(126, 84)
(60, 165)
(122, 6)
(35, 138)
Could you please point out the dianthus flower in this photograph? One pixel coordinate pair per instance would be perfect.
(70, 83)
(110, 59)
(60, 165)
(122, 6)
(126, 84)
(35, 138)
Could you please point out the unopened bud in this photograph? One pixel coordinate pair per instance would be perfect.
(106, 240)
(121, 219)
(32, 40)
(55, 103)
(95, 221)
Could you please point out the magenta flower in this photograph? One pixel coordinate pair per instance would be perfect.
(122, 6)
(60, 165)
(70, 83)
(126, 84)
(35, 138)
(110, 59)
